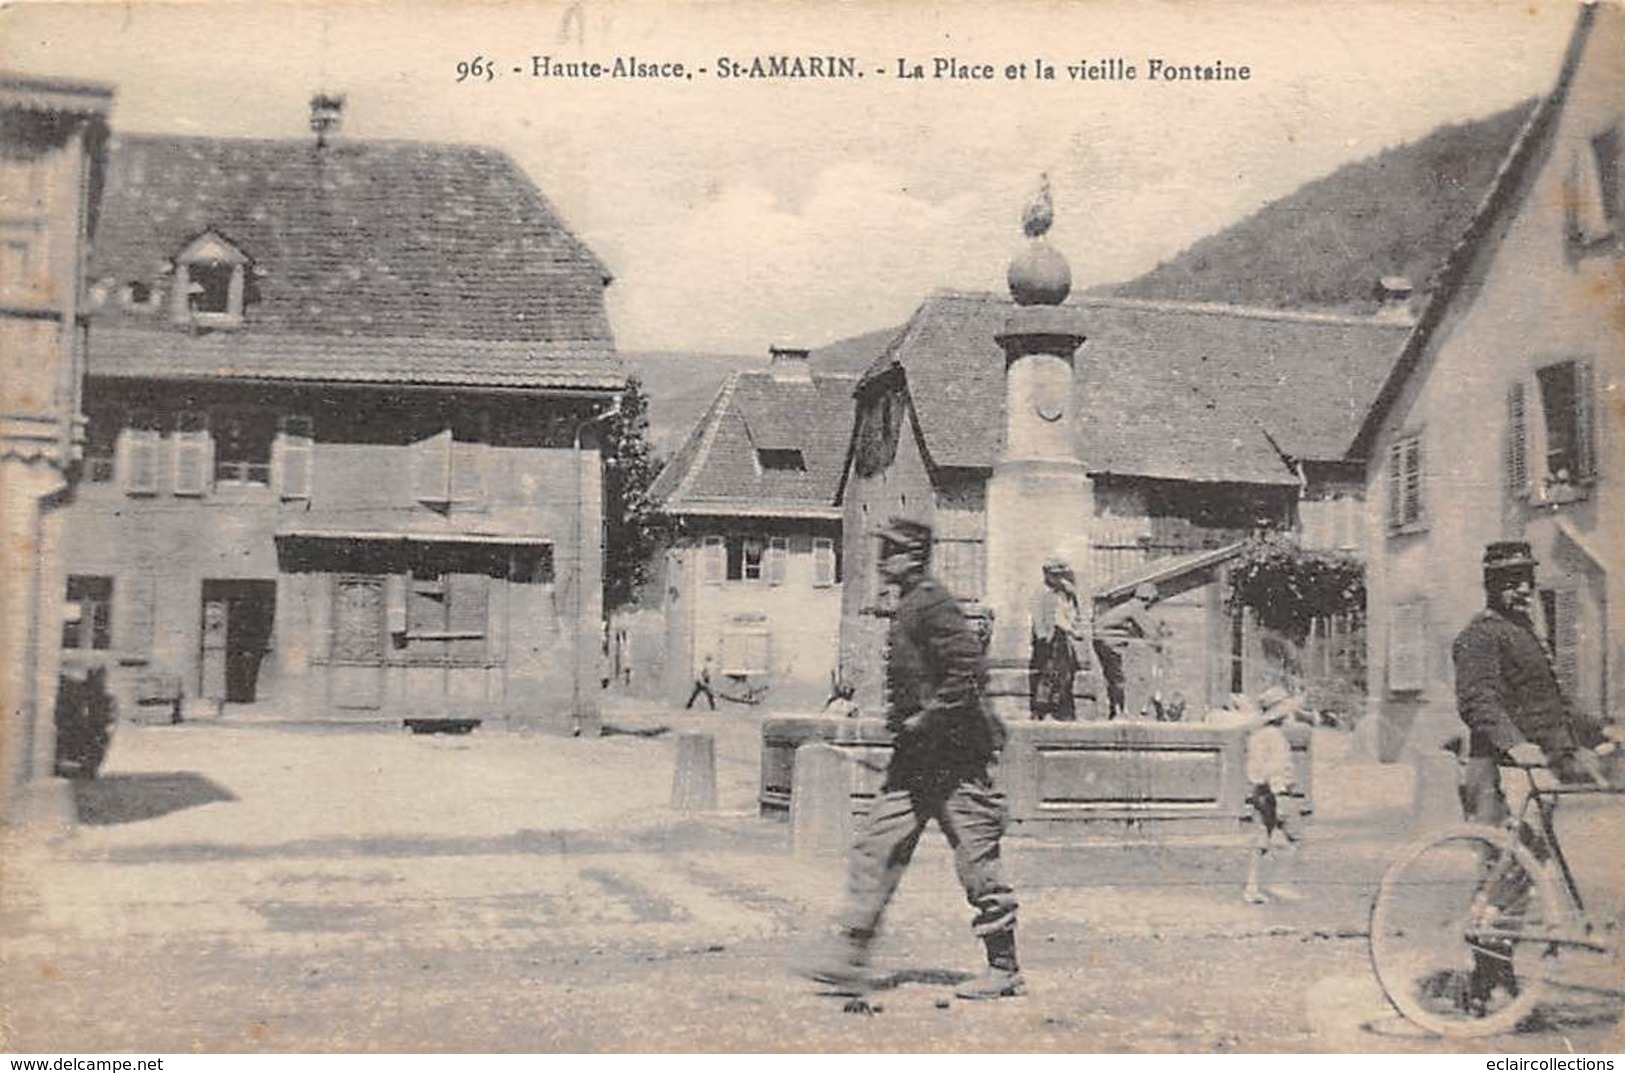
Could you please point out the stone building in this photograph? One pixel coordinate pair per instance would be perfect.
(52, 138)
(754, 576)
(1495, 422)
(1196, 426)
(341, 455)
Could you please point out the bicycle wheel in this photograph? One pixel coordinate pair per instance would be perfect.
(1457, 931)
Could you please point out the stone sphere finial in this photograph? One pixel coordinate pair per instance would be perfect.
(1039, 275)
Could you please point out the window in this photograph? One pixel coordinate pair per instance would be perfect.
(242, 446)
(745, 556)
(101, 445)
(1407, 647)
(781, 458)
(89, 621)
(1517, 442)
(745, 647)
(1596, 204)
(1566, 408)
(209, 282)
(1405, 484)
(959, 565)
(142, 440)
(826, 562)
(191, 453)
(448, 603)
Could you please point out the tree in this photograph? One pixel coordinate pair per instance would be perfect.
(634, 528)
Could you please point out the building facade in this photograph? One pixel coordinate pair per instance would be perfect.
(341, 455)
(52, 139)
(753, 577)
(1497, 423)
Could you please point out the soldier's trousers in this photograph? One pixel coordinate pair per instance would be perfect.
(972, 817)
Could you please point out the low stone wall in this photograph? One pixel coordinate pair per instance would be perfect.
(1167, 777)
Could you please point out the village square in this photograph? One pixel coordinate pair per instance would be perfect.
(394, 662)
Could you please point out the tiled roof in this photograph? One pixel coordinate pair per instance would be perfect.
(1172, 390)
(1531, 147)
(359, 239)
(718, 471)
(162, 355)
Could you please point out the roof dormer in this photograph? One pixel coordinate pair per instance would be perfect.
(210, 281)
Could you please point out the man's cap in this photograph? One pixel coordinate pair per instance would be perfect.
(906, 534)
(1508, 555)
(1057, 565)
(1276, 703)
(1145, 591)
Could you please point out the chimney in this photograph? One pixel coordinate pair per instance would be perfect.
(1393, 294)
(326, 114)
(790, 363)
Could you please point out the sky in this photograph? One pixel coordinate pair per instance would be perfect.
(736, 214)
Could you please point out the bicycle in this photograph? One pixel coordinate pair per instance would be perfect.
(1469, 925)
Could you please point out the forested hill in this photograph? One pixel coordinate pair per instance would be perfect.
(1326, 245)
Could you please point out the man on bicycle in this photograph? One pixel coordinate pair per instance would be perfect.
(1515, 711)
(1507, 693)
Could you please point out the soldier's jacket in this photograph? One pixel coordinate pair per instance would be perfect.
(934, 668)
(1506, 691)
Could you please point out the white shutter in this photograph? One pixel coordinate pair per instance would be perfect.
(1517, 444)
(1590, 213)
(192, 465)
(823, 562)
(1585, 437)
(714, 560)
(140, 465)
(431, 468)
(778, 558)
(296, 457)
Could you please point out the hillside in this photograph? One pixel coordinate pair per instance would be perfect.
(1325, 245)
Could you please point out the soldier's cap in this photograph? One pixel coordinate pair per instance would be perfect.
(1509, 555)
(1145, 591)
(1057, 565)
(906, 534)
(1276, 703)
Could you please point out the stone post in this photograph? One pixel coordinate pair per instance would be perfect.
(1038, 500)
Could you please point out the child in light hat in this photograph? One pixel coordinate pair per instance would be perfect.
(1269, 770)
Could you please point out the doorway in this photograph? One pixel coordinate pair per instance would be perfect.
(237, 629)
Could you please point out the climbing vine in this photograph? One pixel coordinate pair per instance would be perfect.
(1287, 586)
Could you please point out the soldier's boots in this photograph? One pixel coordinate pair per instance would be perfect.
(841, 963)
(1003, 977)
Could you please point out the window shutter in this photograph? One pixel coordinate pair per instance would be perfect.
(141, 462)
(1589, 218)
(778, 557)
(1407, 647)
(395, 604)
(714, 553)
(319, 590)
(823, 562)
(1566, 641)
(468, 472)
(496, 623)
(431, 472)
(1585, 441)
(192, 466)
(1412, 507)
(1396, 484)
(1517, 460)
(296, 457)
(134, 608)
(468, 613)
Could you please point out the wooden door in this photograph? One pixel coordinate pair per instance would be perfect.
(357, 661)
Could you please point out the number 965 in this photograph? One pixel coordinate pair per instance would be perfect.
(477, 68)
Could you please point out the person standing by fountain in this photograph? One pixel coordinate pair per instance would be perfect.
(1057, 631)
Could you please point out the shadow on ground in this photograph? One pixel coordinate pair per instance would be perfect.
(116, 799)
